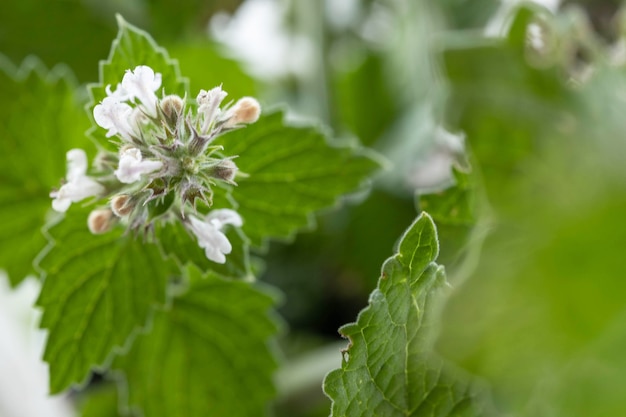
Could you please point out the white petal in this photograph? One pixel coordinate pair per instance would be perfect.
(211, 239)
(141, 84)
(61, 204)
(221, 217)
(209, 103)
(131, 166)
(114, 116)
(76, 164)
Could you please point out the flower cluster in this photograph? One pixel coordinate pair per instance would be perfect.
(165, 163)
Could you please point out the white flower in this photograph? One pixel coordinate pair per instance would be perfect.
(208, 104)
(209, 234)
(120, 94)
(131, 166)
(116, 116)
(78, 186)
(141, 83)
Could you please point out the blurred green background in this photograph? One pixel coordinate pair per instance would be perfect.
(537, 308)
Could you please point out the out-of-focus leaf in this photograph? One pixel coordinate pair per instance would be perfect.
(57, 31)
(545, 300)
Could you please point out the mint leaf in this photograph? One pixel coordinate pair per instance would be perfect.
(388, 368)
(98, 290)
(206, 356)
(292, 172)
(32, 154)
(131, 48)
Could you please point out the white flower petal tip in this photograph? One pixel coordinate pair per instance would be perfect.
(115, 116)
(208, 105)
(141, 83)
(78, 186)
(209, 234)
(131, 166)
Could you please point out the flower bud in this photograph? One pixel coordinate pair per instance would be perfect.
(122, 205)
(100, 221)
(246, 110)
(225, 170)
(172, 107)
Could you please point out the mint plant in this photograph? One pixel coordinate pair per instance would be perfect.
(186, 235)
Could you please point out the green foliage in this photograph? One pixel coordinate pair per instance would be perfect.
(545, 299)
(388, 367)
(97, 291)
(56, 31)
(293, 171)
(211, 349)
(32, 155)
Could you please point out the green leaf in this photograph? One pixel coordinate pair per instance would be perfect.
(131, 48)
(102, 401)
(388, 368)
(98, 290)
(206, 356)
(293, 172)
(40, 120)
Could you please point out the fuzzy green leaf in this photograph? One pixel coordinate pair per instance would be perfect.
(131, 48)
(388, 368)
(98, 290)
(32, 154)
(206, 356)
(293, 172)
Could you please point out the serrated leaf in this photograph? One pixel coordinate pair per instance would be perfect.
(388, 367)
(98, 290)
(176, 241)
(208, 355)
(40, 119)
(131, 48)
(293, 172)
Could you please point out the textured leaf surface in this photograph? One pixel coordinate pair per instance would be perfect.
(208, 355)
(388, 368)
(131, 48)
(32, 155)
(293, 172)
(98, 290)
